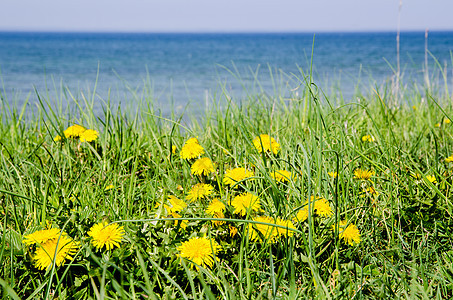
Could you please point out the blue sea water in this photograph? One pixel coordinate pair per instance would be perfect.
(190, 68)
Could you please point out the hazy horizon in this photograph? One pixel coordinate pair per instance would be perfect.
(232, 16)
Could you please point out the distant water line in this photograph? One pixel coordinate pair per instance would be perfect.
(182, 68)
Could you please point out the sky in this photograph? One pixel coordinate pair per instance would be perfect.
(224, 15)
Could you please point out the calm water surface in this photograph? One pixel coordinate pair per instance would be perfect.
(183, 68)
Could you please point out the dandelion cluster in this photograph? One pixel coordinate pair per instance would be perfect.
(52, 246)
(368, 138)
(265, 143)
(80, 132)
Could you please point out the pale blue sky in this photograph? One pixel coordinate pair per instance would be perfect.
(223, 15)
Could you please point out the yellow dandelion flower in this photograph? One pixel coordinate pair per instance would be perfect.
(437, 125)
(233, 231)
(191, 149)
(449, 159)
(176, 203)
(245, 202)
(61, 248)
(350, 234)
(74, 131)
(363, 174)
(281, 175)
(235, 175)
(302, 215)
(285, 231)
(431, 178)
(368, 138)
(57, 138)
(173, 149)
(266, 143)
(322, 207)
(200, 191)
(41, 236)
(263, 232)
(109, 187)
(182, 223)
(108, 235)
(332, 174)
(199, 250)
(447, 121)
(417, 176)
(89, 135)
(203, 166)
(216, 209)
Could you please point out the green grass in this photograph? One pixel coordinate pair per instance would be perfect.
(406, 230)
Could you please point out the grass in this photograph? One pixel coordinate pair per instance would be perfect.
(405, 225)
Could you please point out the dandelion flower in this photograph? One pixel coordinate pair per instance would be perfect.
(368, 138)
(281, 175)
(176, 203)
(74, 131)
(263, 232)
(447, 121)
(173, 149)
(216, 206)
(108, 235)
(437, 125)
(350, 234)
(203, 166)
(332, 174)
(109, 187)
(266, 143)
(363, 174)
(182, 223)
(233, 231)
(244, 202)
(61, 248)
(417, 176)
(88, 135)
(191, 149)
(235, 175)
(41, 236)
(285, 231)
(449, 159)
(57, 138)
(216, 209)
(431, 178)
(199, 250)
(302, 215)
(322, 207)
(200, 191)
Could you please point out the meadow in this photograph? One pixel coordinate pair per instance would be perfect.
(272, 197)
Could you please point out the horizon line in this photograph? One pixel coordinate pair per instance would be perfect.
(222, 31)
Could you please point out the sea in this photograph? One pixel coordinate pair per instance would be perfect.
(190, 71)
